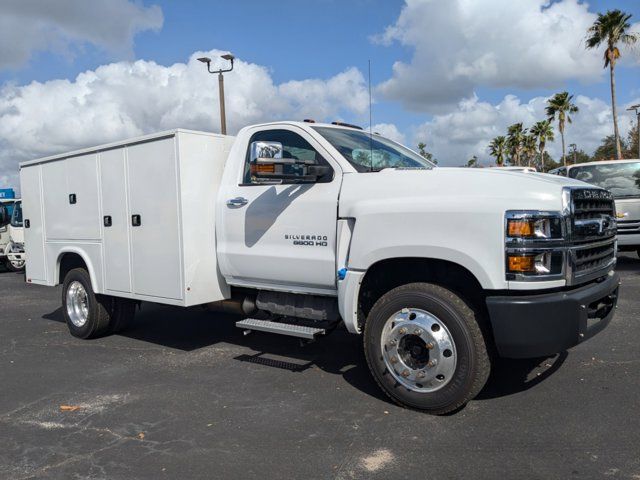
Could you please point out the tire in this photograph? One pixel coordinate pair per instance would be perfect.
(12, 268)
(17, 267)
(87, 315)
(451, 363)
(122, 312)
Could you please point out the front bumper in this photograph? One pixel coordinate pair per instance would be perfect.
(545, 324)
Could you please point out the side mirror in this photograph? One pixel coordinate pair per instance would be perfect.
(266, 162)
(4, 216)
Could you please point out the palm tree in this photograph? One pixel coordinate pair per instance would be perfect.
(529, 148)
(560, 106)
(498, 148)
(543, 133)
(515, 137)
(612, 28)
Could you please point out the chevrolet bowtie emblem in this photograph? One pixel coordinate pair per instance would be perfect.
(622, 214)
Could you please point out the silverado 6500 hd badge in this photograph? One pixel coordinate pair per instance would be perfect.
(308, 240)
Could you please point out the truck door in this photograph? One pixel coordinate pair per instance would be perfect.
(36, 268)
(154, 220)
(280, 234)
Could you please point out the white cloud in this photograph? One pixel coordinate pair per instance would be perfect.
(59, 26)
(389, 130)
(456, 136)
(319, 98)
(126, 99)
(459, 45)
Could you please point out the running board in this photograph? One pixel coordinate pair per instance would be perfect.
(299, 331)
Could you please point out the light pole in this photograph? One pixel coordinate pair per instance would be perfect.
(636, 109)
(207, 60)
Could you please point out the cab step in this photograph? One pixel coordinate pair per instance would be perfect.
(300, 331)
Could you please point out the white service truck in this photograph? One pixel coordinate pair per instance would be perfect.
(301, 226)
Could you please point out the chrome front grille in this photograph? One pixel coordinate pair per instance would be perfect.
(592, 234)
(591, 257)
(588, 209)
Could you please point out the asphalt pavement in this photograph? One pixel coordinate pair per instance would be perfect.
(183, 394)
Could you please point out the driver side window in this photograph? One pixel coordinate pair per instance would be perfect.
(293, 146)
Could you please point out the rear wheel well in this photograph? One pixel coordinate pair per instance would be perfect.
(389, 274)
(68, 262)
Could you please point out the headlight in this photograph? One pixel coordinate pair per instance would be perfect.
(545, 263)
(534, 245)
(528, 226)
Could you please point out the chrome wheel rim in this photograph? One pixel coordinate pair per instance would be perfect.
(418, 350)
(77, 304)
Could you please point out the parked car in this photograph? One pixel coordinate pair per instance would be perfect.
(302, 226)
(622, 179)
(519, 169)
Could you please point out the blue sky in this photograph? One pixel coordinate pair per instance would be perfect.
(320, 39)
(307, 39)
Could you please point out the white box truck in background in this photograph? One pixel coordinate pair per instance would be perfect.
(302, 226)
(11, 235)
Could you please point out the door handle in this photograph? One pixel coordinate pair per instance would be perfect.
(136, 220)
(237, 202)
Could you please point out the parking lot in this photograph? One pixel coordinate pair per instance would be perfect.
(183, 394)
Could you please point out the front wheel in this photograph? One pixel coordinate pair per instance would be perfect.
(425, 348)
(14, 259)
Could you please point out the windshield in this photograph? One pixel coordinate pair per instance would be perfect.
(16, 217)
(621, 179)
(9, 205)
(371, 153)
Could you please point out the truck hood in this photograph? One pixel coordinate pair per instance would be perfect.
(458, 188)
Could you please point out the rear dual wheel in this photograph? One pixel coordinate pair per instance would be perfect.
(89, 315)
(425, 348)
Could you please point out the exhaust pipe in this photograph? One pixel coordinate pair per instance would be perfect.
(237, 306)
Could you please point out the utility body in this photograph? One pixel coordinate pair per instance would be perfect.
(300, 227)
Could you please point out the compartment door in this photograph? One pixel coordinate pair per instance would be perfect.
(76, 176)
(153, 200)
(36, 270)
(113, 185)
(82, 181)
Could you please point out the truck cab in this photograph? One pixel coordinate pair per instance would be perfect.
(303, 227)
(7, 206)
(12, 237)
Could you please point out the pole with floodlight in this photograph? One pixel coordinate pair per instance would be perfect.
(207, 60)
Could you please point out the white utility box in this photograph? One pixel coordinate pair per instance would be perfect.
(143, 211)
